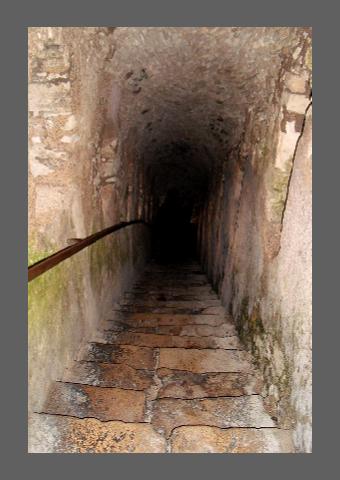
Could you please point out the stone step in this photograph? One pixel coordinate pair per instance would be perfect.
(153, 303)
(174, 283)
(201, 439)
(136, 357)
(222, 331)
(145, 319)
(56, 434)
(108, 375)
(174, 271)
(175, 275)
(160, 297)
(78, 400)
(205, 360)
(188, 385)
(224, 412)
(172, 290)
(203, 310)
(160, 341)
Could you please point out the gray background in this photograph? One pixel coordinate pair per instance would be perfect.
(16, 17)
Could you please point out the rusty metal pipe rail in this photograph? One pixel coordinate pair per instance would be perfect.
(47, 263)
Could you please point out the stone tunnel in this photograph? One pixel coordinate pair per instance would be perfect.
(205, 135)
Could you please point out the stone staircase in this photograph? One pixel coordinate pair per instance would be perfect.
(169, 376)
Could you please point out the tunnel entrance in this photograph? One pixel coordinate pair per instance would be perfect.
(179, 175)
(198, 141)
(175, 230)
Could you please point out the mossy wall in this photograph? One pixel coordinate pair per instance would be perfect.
(256, 249)
(67, 304)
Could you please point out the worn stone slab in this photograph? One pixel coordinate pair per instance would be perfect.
(174, 270)
(224, 412)
(172, 290)
(232, 440)
(174, 276)
(223, 330)
(154, 340)
(188, 304)
(192, 309)
(145, 319)
(205, 360)
(168, 297)
(82, 401)
(108, 375)
(55, 434)
(188, 385)
(135, 357)
(170, 283)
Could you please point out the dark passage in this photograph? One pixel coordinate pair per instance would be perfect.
(175, 230)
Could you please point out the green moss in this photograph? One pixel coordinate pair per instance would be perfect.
(109, 255)
(250, 325)
(279, 193)
(35, 255)
(44, 293)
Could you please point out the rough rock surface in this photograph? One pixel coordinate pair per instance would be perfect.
(127, 397)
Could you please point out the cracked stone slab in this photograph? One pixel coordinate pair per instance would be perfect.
(168, 297)
(223, 330)
(232, 440)
(225, 412)
(171, 283)
(108, 375)
(154, 340)
(135, 357)
(56, 434)
(82, 401)
(188, 385)
(205, 360)
(145, 319)
(190, 304)
(173, 290)
(202, 309)
(174, 276)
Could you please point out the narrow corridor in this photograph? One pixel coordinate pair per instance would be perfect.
(170, 239)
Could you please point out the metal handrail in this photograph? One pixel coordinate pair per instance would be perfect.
(47, 263)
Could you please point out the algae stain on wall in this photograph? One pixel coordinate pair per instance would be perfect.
(67, 303)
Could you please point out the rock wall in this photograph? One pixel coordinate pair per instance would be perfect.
(117, 116)
(80, 182)
(255, 242)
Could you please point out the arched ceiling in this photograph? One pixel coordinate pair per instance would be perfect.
(185, 92)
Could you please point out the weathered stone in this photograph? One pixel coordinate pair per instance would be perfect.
(151, 303)
(108, 375)
(205, 360)
(223, 121)
(144, 319)
(49, 98)
(141, 289)
(296, 83)
(186, 385)
(201, 330)
(154, 340)
(55, 434)
(297, 103)
(232, 440)
(222, 412)
(169, 297)
(202, 309)
(135, 357)
(82, 401)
